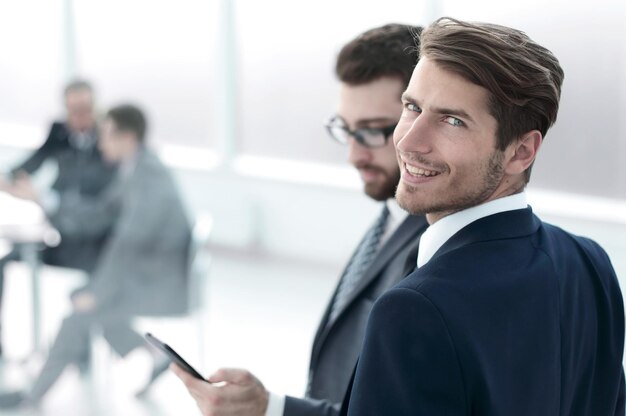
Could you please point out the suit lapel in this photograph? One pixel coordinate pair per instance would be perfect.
(404, 235)
(410, 229)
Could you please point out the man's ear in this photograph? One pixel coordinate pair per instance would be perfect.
(521, 153)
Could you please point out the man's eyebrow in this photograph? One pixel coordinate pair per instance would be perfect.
(374, 120)
(406, 98)
(453, 112)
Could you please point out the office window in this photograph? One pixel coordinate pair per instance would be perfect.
(286, 80)
(31, 68)
(585, 152)
(158, 54)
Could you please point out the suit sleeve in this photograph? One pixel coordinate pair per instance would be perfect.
(309, 407)
(408, 364)
(137, 213)
(149, 208)
(36, 159)
(150, 217)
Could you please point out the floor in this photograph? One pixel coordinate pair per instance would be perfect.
(260, 314)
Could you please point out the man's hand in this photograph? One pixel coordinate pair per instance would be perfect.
(239, 394)
(84, 302)
(23, 188)
(5, 184)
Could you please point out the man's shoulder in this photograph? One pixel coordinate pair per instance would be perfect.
(502, 266)
(58, 135)
(150, 165)
(568, 251)
(153, 177)
(58, 125)
(59, 130)
(557, 235)
(468, 268)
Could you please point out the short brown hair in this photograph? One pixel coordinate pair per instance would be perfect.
(390, 50)
(523, 78)
(128, 117)
(77, 85)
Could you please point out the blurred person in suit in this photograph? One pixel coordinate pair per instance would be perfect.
(81, 172)
(374, 69)
(505, 314)
(143, 267)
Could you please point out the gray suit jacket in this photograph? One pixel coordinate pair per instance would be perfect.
(143, 267)
(337, 343)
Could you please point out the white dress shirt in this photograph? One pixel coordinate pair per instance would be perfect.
(49, 199)
(396, 216)
(83, 140)
(276, 404)
(438, 233)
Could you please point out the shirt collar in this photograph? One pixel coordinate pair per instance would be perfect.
(438, 233)
(82, 140)
(395, 211)
(128, 165)
(396, 216)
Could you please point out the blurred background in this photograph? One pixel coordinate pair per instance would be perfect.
(236, 92)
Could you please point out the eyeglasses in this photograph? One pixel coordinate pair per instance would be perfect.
(368, 136)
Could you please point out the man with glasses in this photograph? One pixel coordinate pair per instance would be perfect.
(374, 69)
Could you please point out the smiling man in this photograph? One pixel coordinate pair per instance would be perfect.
(505, 315)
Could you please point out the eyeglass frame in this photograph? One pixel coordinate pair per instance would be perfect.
(355, 134)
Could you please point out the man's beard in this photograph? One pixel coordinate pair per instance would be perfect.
(381, 191)
(409, 198)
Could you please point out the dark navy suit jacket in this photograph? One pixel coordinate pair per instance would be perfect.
(510, 317)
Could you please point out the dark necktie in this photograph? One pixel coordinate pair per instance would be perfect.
(362, 259)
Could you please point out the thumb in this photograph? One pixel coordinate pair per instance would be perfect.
(185, 377)
(231, 375)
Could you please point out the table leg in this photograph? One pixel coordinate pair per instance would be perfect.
(30, 255)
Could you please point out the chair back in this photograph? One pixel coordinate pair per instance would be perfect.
(197, 262)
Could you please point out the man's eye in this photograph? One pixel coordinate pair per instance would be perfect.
(413, 107)
(453, 121)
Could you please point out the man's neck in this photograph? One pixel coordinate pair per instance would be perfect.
(504, 190)
(439, 232)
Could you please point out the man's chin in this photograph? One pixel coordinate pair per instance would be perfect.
(378, 192)
(407, 202)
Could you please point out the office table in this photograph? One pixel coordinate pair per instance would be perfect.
(24, 225)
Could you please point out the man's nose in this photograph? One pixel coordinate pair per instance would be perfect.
(357, 153)
(415, 137)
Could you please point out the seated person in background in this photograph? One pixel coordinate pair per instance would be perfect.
(374, 69)
(82, 172)
(143, 266)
